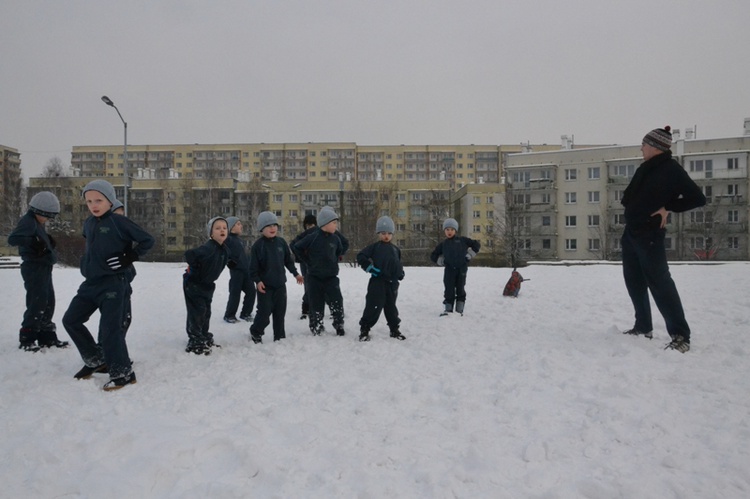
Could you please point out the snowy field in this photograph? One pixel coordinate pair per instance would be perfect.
(535, 397)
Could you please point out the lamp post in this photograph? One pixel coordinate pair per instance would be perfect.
(110, 103)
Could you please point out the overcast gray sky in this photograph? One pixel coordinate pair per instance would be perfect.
(371, 72)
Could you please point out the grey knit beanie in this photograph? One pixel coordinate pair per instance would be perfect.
(45, 204)
(231, 221)
(450, 223)
(101, 186)
(326, 216)
(385, 224)
(116, 205)
(210, 224)
(265, 219)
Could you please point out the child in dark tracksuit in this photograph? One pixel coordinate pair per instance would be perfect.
(269, 256)
(239, 275)
(454, 254)
(109, 253)
(383, 261)
(118, 208)
(205, 265)
(311, 225)
(321, 251)
(37, 250)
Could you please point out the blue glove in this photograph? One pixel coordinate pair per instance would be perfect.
(372, 269)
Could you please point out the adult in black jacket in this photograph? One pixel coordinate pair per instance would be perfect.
(454, 253)
(660, 185)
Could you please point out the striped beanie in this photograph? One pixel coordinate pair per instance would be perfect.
(660, 138)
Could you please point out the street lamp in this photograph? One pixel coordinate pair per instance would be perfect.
(110, 103)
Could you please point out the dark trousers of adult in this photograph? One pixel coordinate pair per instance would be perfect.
(240, 282)
(645, 268)
(381, 296)
(198, 298)
(40, 304)
(106, 294)
(454, 281)
(321, 291)
(271, 305)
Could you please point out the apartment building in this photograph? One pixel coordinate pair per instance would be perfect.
(10, 191)
(565, 205)
(173, 189)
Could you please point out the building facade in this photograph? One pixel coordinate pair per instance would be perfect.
(565, 205)
(10, 191)
(174, 189)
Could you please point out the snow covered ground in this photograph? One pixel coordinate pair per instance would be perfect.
(538, 396)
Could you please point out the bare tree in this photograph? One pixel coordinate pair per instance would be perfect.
(55, 168)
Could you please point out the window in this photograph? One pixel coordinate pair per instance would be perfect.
(476, 214)
(697, 243)
(571, 244)
(709, 168)
(570, 221)
(477, 200)
(733, 164)
(477, 228)
(594, 244)
(490, 200)
(733, 243)
(278, 198)
(546, 243)
(696, 165)
(546, 198)
(521, 199)
(570, 198)
(571, 174)
(545, 175)
(618, 195)
(593, 196)
(546, 221)
(708, 192)
(697, 217)
(594, 173)
(619, 219)
(733, 216)
(490, 214)
(593, 220)
(733, 190)
(623, 170)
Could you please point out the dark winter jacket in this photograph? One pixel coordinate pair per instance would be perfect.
(268, 258)
(659, 182)
(108, 236)
(236, 248)
(321, 251)
(384, 256)
(206, 262)
(34, 244)
(453, 251)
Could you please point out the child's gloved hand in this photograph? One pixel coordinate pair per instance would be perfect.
(470, 254)
(372, 269)
(231, 264)
(441, 261)
(118, 261)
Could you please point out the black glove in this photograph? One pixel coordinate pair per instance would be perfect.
(231, 264)
(123, 260)
(38, 246)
